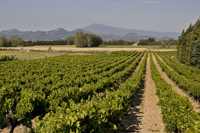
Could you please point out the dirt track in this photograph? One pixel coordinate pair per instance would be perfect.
(89, 49)
(152, 118)
(145, 115)
(195, 104)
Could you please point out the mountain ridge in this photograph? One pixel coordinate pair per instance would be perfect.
(104, 29)
(106, 32)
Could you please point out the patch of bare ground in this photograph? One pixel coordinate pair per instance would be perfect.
(145, 115)
(18, 128)
(195, 104)
(57, 48)
(80, 49)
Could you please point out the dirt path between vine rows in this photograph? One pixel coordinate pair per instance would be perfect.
(145, 115)
(195, 104)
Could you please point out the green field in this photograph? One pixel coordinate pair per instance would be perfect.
(30, 55)
(33, 54)
(83, 93)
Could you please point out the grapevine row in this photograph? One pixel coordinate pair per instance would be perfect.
(41, 99)
(54, 100)
(190, 68)
(183, 82)
(98, 114)
(180, 69)
(177, 111)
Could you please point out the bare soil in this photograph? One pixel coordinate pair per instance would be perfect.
(88, 49)
(145, 115)
(195, 104)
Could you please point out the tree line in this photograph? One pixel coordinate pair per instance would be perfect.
(79, 40)
(87, 40)
(151, 41)
(12, 41)
(117, 42)
(188, 45)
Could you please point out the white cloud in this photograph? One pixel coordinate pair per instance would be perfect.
(147, 1)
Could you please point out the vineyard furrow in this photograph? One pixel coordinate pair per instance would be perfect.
(180, 69)
(195, 104)
(131, 120)
(144, 114)
(152, 118)
(177, 111)
(190, 68)
(191, 86)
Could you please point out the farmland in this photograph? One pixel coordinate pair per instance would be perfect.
(100, 48)
(123, 91)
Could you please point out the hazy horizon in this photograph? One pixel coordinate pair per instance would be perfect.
(150, 15)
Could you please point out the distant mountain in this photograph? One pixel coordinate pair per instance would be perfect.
(100, 29)
(126, 37)
(57, 34)
(132, 37)
(106, 32)
(72, 33)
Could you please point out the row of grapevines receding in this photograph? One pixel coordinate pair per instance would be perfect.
(103, 81)
(177, 111)
(191, 86)
(60, 94)
(25, 72)
(180, 69)
(95, 115)
(171, 53)
(53, 65)
(14, 93)
(192, 69)
(94, 76)
(12, 78)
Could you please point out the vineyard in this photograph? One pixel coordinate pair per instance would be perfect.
(97, 93)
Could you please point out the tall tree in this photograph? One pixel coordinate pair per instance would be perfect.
(87, 40)
(151, 39)
(16, 40)
(4, 41)
(188, 45)
(70, 40)
(80, 39)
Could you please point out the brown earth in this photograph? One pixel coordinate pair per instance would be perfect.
(145, 115)
(195, 104)
(88, 49)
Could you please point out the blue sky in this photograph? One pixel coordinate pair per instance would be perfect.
(152, 15)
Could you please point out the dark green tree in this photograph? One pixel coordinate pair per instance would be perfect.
(143, 42)
(80, 39)
(87, 40)
(187, 45)
(151, 39)
(70, 40)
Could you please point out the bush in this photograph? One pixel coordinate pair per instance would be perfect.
(7, 58)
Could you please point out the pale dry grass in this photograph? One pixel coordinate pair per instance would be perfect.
(59, 48)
